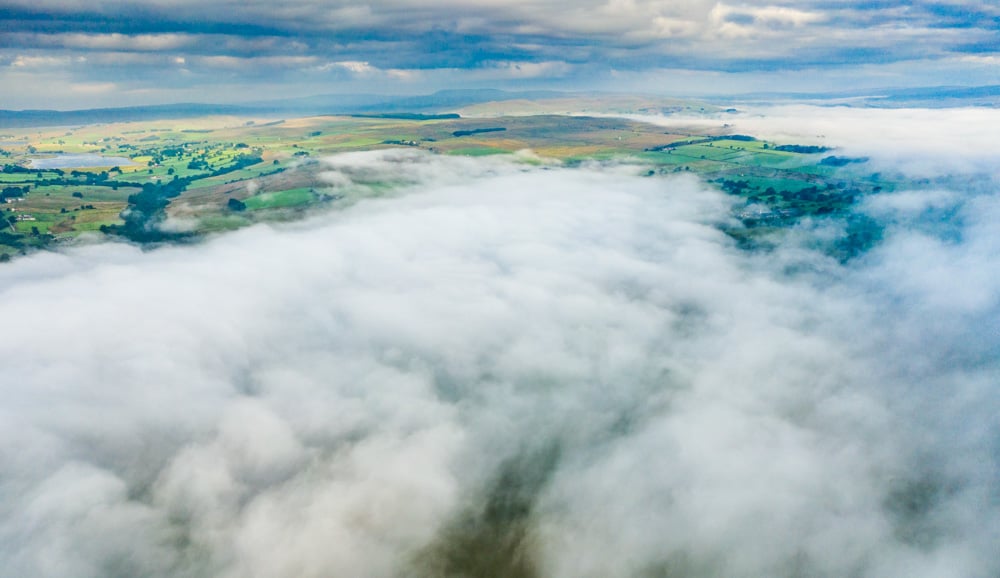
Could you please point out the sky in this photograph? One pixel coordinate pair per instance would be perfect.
(75, 54)
(522, 369)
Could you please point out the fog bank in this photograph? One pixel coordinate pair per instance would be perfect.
(920, 142)
(512, 371)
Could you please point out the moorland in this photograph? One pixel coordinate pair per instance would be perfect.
(222, 172)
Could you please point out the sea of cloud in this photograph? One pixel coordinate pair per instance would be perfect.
(508, 370)
(920, 142)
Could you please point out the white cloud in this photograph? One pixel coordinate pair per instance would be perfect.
(254, 63)
(549, 69)
(353, 66)
(909, 203)
(92, 88)
(117, 42)
(34, 61)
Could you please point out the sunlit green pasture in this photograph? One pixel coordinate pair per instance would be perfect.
(281, 199)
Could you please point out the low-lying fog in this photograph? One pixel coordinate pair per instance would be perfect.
(509, 371)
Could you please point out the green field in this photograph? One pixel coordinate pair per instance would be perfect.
(281, 199)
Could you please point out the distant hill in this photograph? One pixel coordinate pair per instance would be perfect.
(371, 104)
(924, 96)
(450, 101)
(32, 118)
(941, 96)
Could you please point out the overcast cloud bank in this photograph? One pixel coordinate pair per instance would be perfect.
(539, 371)
(55, 53)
